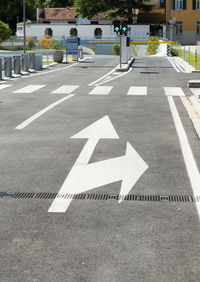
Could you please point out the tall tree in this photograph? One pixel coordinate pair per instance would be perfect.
(114, 8)
(11, 11)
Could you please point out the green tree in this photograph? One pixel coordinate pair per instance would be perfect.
(11, 11)
(5, 32)
(114, 8)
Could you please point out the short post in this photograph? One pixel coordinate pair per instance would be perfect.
(32, 61)
(184, 53)
(189, 56)
(8, 67)
(180, 51)
(25, 63)
(0, 68)
(17, 64)
(196, 59)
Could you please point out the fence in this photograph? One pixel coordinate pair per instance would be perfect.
(190, 54)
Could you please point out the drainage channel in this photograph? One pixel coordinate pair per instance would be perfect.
(85, 196)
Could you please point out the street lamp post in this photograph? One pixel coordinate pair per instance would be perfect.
(24, 20)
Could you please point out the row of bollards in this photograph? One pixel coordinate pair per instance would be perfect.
(19, 64)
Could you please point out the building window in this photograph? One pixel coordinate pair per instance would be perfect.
(179, 5)
(179, 28)
(49, 32)
(71, 22)
(98, 33)
(73, 32)
(197, 4)
(19, 28)
(198, 27)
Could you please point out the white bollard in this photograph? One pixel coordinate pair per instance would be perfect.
(17, 64)
(25, 63)
(8, 67)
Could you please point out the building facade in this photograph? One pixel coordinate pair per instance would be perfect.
(186, 18)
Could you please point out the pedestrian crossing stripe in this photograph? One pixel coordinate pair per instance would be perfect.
(137, 90)
(29, 89)
(174, 91)
(4, 86)
(101, 90)
(98, 90)
(65, 89)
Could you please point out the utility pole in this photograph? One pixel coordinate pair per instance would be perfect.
(24, 20)
(172, 19)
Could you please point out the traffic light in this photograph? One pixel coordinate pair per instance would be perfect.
(124, 26)
(116, 26)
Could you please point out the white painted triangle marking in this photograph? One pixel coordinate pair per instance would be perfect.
(101, 129)
(173, 91)
(65, 89)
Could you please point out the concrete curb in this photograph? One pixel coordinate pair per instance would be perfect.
(127, 67)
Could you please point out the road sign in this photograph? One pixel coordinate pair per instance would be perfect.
(170, 25)
(170, 21)
(72, 46)
(85, 176)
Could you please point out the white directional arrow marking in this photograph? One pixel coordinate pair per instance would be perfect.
(83, 176)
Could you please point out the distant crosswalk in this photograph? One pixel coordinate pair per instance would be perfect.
(96, 90)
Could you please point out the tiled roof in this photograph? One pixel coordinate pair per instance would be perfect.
(57, 13)
(65, 14)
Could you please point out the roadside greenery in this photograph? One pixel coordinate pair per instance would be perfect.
(190, 58)
(46, 42)
(152, 47)
(116, 49)
(114, 8)
(57, 45)
(5, 32)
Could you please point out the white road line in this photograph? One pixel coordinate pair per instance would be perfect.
(4, 86)
(174, 66)
(37, 115)
(114, 77)
(190, 163)
(101, 90)
(102, 77)
(29, 89)
(173, 91)
(65, 89)
(137, 90)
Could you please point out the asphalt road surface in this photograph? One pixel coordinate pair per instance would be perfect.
(131, 135)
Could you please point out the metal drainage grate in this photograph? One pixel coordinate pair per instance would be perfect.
(149, 72)
(146, 198)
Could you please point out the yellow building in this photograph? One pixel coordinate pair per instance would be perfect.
(156, 18)
(186, 16)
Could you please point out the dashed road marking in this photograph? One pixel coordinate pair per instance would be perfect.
(37, 115)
